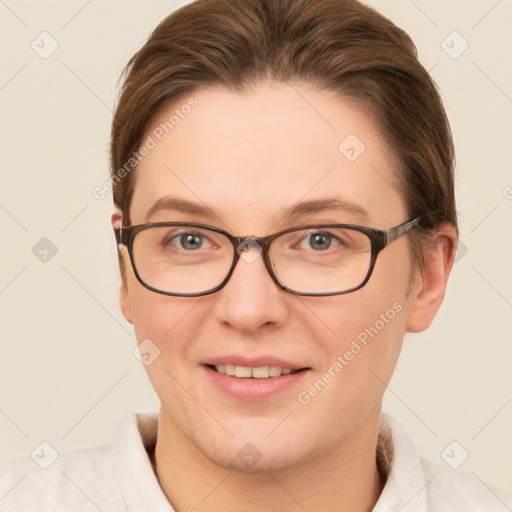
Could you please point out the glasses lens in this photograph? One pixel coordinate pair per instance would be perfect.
(182, 259)
(321, 260)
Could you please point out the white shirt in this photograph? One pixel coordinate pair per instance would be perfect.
(119, 477)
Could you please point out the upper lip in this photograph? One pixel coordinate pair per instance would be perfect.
(253, 362)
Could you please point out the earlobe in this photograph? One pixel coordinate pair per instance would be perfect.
(124, 301)
(430, 284)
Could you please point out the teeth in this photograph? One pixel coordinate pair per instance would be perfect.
(275, 371)
(261, 372)
(243, 371)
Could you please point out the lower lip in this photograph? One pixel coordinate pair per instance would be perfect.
(251, 389)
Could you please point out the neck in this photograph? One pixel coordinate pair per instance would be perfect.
(345, 478)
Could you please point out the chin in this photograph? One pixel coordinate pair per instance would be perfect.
(258, 454)
(251, 445)
(262, 464)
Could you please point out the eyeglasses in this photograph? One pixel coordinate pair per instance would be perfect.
(189, 260)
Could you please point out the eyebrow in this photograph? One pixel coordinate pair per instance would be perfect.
(300, 209)
(181, 205)
(320, 205)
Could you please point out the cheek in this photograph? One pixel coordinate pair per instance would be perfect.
(165, 327)
(156, 315)
(365, 328)
(165, 321)
(366, 333)
(361, 357)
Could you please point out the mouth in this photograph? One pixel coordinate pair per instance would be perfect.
(258, 372)
(253, 380)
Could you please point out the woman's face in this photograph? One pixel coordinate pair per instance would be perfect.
(247, 161)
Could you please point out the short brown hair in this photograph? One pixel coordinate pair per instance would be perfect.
(337, 45)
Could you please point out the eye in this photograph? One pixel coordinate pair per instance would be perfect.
(190, 241)
(318, 241)
(187, 241)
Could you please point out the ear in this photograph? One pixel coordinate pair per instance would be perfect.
(124, 300)
(430, 284)
(116, 219)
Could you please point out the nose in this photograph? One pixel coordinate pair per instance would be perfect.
(251, 300)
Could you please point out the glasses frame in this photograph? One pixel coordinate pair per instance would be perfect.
(379, 240)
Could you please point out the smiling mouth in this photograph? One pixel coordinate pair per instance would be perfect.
(247, 372)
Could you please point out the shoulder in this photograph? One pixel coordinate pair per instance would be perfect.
(450, 490)
(417, 485)
(78, 480)
(88, 479)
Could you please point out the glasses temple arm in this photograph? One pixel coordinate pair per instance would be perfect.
(394, 233)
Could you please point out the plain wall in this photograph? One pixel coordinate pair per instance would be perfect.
(68, 374)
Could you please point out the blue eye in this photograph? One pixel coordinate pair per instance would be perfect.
(190, 241)
(318, 241)
(186, 241)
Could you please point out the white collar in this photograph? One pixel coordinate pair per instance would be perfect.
(140, 487)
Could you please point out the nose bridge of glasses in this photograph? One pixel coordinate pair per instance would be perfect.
(249, 248)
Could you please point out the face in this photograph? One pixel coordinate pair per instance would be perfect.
(248, 160)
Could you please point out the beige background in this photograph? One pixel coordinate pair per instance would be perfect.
(67, 371)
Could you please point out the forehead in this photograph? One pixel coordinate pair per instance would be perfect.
(250, 156)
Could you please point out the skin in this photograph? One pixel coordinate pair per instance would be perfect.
(250, 157)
